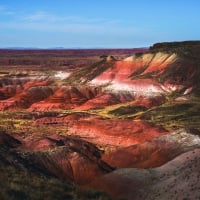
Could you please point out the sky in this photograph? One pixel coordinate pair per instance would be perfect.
(97, 23)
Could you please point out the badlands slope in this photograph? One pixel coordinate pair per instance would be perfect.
(113, 122)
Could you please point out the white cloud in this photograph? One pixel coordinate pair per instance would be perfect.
(71, 27)
(47, 22)
(42, 16)
(5, 11)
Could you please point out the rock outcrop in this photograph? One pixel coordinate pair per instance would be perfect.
(57, 156)
(154, 74)
(127, 124)
(113, 132)
(156, 152)
(177, 179)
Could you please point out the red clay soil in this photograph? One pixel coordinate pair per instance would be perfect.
(66, 97)
(115, 132)
(137, 65)
(67, 155)
(177, 179)
(155, 152)
(58, 155)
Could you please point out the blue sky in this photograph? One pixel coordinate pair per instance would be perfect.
(100, 23)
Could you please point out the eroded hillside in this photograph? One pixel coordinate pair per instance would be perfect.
(86, 124)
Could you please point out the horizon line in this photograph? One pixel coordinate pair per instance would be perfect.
(68, 48)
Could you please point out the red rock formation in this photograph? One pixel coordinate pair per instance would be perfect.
(135, 66)
(114, 132)
(120, 92)
(64, 157)
(177, 179)
(56, 155)
(26, 98)
(155, 152)
(66, 98)
(144, 75)
(22, 92)
(148, 75)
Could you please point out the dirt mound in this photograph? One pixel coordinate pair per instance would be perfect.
(66, 97)
(177, 179)
(55, 155)
(154, 153)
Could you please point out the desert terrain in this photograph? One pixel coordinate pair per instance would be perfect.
(100, 123)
